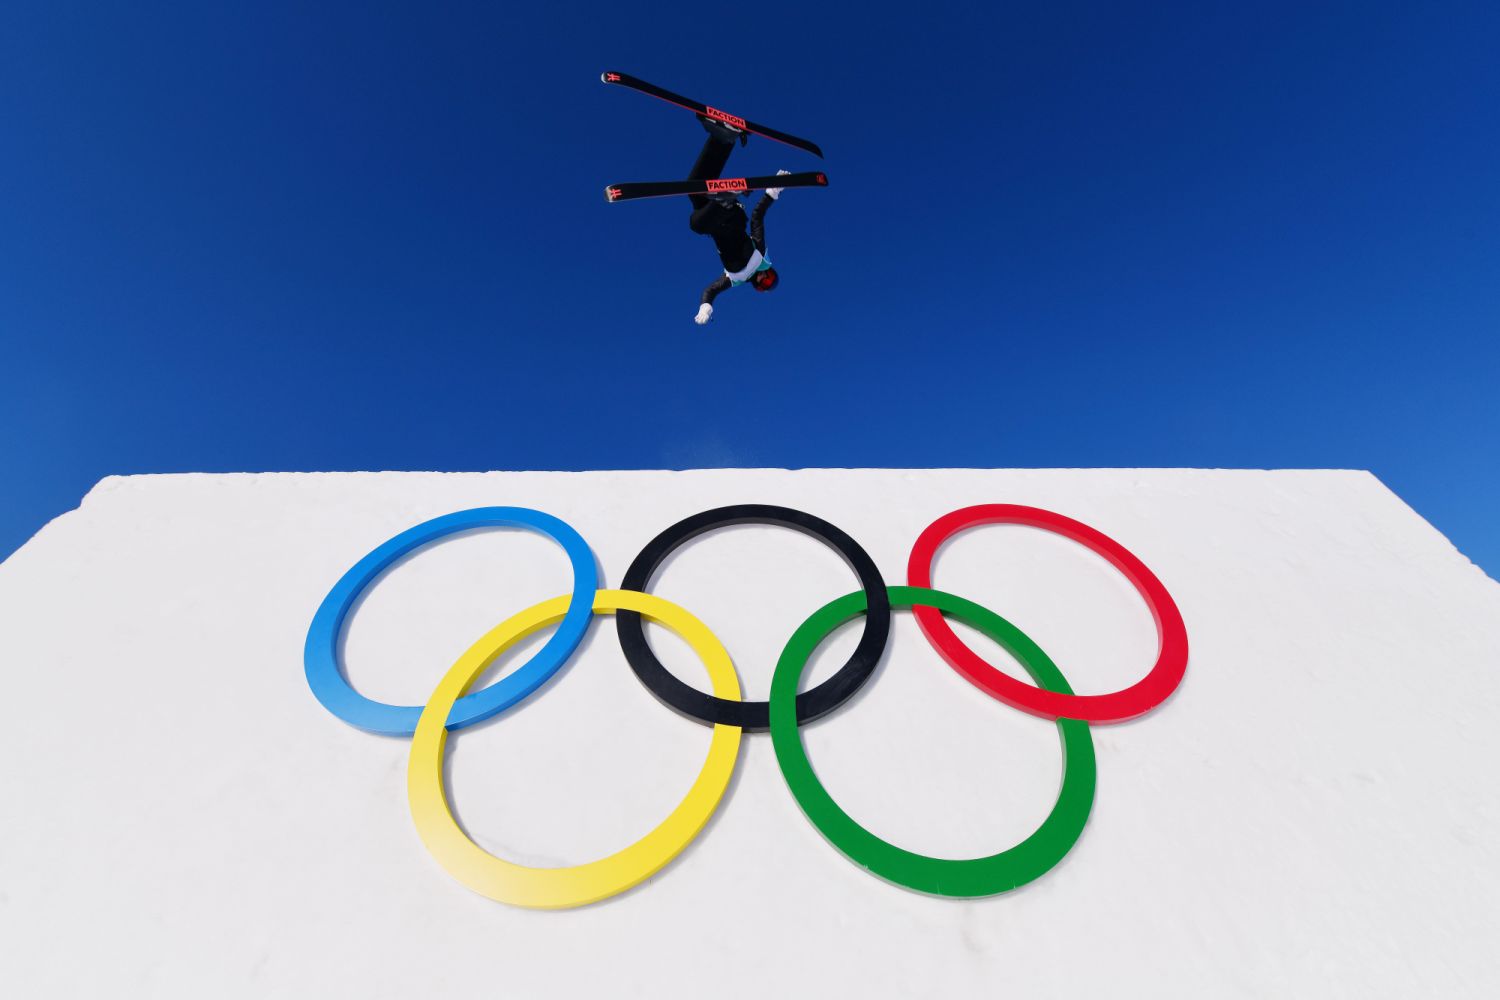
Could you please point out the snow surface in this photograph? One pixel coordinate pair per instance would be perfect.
(1314, 813)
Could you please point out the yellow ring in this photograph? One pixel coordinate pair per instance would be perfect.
(560, 888)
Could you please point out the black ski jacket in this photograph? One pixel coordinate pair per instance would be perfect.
(727, 226)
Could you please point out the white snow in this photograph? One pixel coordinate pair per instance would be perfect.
(1313, 814)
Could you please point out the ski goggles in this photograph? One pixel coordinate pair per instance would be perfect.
(453, 705)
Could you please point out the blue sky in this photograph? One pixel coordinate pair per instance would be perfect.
(287, 236)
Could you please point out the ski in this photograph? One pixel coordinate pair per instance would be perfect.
(697, 107)
(662, 189)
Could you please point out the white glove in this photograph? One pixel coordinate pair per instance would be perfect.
(705, 313)
(774, 193)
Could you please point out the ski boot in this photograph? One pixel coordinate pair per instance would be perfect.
(723, 130)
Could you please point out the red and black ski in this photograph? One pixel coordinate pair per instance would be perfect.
(697, 107)
(661, 189)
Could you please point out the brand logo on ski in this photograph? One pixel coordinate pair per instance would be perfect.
(611, 77)
(728, 184)
(725, 117)
(614, 193)
(822, 179)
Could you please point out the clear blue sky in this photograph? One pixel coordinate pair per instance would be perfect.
(289, 236)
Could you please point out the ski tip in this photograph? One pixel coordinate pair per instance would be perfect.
(609, 76)
(611, 193)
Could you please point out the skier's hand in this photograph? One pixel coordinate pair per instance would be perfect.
(774, 193)
(705, 313)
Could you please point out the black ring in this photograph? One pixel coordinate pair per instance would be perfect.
(754, 716)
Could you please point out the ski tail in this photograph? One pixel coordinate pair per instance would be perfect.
(699, 108)
(663, 189)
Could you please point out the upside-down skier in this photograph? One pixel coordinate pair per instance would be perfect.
(721, 217)
(715, 198)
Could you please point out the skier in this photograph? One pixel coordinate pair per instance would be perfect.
(721, 217)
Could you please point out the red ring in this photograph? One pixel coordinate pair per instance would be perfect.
(1138, 699)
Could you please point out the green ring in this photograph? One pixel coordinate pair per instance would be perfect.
(1001, 872)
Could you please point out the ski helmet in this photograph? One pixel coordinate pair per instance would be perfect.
(765, 279)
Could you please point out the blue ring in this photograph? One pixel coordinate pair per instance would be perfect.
(320, 655)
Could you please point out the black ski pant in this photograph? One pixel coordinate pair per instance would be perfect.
(710, 166)
(719, 217)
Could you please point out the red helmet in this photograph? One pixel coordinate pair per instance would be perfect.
(764, 281)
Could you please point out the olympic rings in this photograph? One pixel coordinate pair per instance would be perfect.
(754, 716)
(1001, 872)
(320, 654)
(557, 888)
(1138, 699)
(452, 706)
